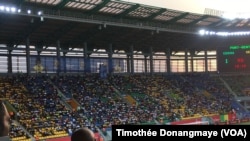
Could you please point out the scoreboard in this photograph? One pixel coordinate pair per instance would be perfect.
(235, 58)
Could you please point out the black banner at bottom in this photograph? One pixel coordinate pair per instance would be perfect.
(186, 132)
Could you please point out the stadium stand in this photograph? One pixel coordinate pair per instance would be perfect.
(69, 64)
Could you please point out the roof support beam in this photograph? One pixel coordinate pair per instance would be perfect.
(61, 4)
(236, 23)
(198, 20)
(128, 10)
(99, 6)
(216, 23)
(162, 10)
(247, 23)
(178, 18)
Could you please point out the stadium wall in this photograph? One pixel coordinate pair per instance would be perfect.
(217, 118)
(97, 138)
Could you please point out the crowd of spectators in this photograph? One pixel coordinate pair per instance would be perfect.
(42, 111)
(241, 88)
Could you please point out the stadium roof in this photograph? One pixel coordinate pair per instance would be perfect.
(100, 23)
(200, 6)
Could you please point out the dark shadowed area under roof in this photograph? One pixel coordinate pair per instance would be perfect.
(100, 23)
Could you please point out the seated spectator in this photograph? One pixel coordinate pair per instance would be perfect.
(83, 134)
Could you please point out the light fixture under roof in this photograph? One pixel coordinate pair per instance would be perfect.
(29, 11)
(223, 33)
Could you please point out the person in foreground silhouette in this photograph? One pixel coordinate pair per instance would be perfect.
(83, 134)
(4, 123)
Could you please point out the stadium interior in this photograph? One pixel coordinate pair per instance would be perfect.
(67, 64)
